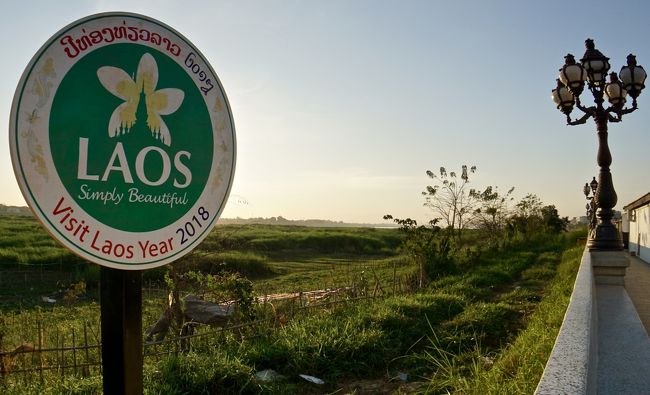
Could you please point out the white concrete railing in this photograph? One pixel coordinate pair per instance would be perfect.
(602, 346)
(572, 359)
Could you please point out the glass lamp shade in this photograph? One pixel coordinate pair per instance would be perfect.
(633, 77)
(573, 75)
(563, 98)
(615, 92)
(595, 63)
(586, 190)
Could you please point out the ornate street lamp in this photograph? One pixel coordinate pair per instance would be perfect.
(590, 191)
(593, 69)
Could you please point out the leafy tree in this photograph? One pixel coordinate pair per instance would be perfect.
(493, 212)
(533, 217)
(527, 219)
(530, 206)
(552, 219)
(429, 246)
(450, 198)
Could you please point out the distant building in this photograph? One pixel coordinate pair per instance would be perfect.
(638, 223)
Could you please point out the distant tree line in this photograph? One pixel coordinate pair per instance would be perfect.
(280, 220)
(14, 210)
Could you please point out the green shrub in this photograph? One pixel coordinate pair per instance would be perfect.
(518, 368)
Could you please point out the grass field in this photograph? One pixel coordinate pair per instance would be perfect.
(276, 258)
(485, 328)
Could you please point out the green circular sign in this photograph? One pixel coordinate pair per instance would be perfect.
(122, 141)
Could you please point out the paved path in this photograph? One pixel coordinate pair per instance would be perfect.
(637, 283)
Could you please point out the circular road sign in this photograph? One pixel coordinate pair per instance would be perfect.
(122, 141)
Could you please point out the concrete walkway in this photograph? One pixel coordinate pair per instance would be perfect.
(637, 284)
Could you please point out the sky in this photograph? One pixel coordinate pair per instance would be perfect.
(340, 107)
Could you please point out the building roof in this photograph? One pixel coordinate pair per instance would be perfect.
(642, 201)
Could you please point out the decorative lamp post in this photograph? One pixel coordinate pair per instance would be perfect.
(594, 185)
(590, 191)
(593, 69)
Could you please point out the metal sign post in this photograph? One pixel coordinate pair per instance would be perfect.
(123, 144)
(121, 315)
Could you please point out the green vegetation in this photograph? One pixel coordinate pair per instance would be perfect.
(484, 324)
(451, 200)
(24, 241)
(516, 369)
(446, 338)
(282, 258)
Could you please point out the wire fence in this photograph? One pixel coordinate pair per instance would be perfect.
(17, 279)
(77, 351)
(74, 354)
(50, 278)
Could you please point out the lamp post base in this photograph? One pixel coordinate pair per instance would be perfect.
(605, 237)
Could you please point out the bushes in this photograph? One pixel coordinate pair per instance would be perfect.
(430, 247)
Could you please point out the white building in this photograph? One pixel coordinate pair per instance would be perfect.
(638, 215)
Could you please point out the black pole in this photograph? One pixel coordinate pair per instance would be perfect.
(604, 236)
(121, 316)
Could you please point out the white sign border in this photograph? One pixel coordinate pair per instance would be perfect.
(36, 204)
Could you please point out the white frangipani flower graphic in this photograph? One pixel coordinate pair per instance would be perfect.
(158, 102)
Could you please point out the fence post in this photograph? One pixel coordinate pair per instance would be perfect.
(121, 323)
(62, 365)
(86, 369)
(40, 353)
(74, 352)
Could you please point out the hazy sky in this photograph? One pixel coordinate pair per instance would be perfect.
(341, 106)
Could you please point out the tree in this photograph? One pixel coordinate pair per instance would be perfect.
(530, 206)
(552, 219)
(528, 216)
(450, 198)
(533, 217)
(493, 210)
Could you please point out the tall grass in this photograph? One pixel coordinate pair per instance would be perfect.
(517, 368)
(450, 337)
